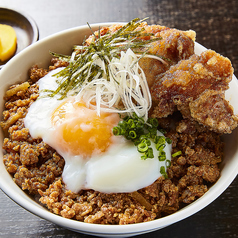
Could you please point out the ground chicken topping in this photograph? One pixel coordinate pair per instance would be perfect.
(188, 101)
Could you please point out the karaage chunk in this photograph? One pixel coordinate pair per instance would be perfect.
(173, 46)
(218, 114)
(194, 87)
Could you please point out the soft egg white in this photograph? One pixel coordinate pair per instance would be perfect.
(119, 169)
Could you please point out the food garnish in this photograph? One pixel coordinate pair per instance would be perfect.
(109, 67)
(106, 75)
(177, 153)
(142, 133)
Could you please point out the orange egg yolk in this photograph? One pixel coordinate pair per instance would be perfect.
(80, 131)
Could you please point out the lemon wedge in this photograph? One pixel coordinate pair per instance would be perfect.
(8, 42)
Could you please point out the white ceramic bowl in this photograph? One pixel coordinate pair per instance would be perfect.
(16, 70)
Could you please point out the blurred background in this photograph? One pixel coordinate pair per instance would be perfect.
(216, 25)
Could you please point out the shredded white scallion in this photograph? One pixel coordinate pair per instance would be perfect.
(126, 90)
(154, 57)
(73, 56)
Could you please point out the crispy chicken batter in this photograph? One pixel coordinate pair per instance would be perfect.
(174, 46)
(195, 87)
(218, 115)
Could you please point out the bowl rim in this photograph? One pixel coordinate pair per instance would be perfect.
(83, 227)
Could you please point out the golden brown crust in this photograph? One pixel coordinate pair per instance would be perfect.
(174, 46)
(191, 86)
(212, 110)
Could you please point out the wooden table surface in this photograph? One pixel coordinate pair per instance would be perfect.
(216, 24)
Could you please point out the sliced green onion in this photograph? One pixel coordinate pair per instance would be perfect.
(162, 131)
(150, 153)
(143, 137)
(168, 140)
(153, 121)
(131, 123)
(162, 170)
(177, 153)
(162, 156)
(160, 147)
(147, 141)
(142, 147)
(168, 163)
(132, 134)
(142, 134)
(144, 157)
(161, 139)
(116, 131)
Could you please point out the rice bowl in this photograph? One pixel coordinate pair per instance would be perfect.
(39, 54)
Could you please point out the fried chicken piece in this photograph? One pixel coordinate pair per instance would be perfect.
(218, 115)
(173, 46)
(191, 87)
(152, 68)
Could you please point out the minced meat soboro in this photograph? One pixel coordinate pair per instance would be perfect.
(37, 168)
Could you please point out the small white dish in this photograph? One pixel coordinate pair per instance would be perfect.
(25, 27)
